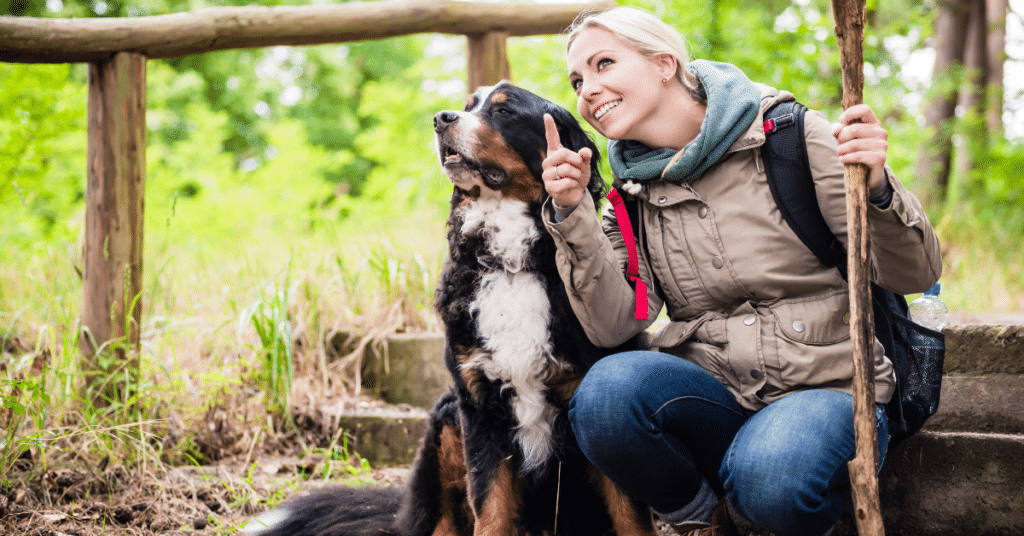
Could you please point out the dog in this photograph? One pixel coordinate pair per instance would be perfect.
(499, 457)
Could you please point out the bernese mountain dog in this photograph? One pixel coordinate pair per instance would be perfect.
(499, 457)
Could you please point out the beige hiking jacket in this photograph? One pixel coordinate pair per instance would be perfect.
(747, 300)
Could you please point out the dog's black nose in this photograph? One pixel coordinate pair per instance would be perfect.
(443, 119)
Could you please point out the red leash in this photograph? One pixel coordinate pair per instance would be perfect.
(633, 266)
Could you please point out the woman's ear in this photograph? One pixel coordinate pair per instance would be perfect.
(667, 66)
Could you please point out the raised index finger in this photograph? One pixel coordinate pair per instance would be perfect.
(551, 133)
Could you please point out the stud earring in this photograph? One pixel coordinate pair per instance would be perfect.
(664, 80)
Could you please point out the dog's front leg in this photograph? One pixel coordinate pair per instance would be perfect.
(629, 517)
(496, 499)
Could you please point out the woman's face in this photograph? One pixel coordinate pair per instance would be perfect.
(618, 90)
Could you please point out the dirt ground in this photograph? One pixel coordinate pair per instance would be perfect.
(76, 498)
(205, 500)
(210, 500)
(69, 495)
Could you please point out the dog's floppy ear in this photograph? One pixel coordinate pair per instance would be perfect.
(575, 138)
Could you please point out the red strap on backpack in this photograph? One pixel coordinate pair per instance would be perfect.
(633, 266)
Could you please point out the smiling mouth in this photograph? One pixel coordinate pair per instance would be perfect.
(599, 113)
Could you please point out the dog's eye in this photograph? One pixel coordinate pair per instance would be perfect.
(502, 111)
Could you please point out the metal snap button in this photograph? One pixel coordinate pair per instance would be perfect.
(799, 326)
(717, 262)
(702, 212)
(662, 200)
(749, 320)
(756, 374)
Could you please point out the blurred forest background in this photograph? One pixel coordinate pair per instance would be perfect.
(294, 192)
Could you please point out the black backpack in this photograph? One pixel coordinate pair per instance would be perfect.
(917, 352)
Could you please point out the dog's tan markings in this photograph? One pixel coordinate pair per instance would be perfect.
(472, 376)
(499, 98)
(502, 505)
(470, 100)
(629, 518)
(491, 147)
(472, 195)
(563, 384)
(452, 459)
(454, 504)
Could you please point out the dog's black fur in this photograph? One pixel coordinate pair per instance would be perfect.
(481, 470)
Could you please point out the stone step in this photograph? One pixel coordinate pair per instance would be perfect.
(983, 389)
(963, 474)
(949, 484)
(953, 483)
(984, 349)
(990, 403)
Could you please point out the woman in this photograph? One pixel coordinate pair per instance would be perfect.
(759, 409)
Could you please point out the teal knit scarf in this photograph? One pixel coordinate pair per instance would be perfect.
(733, 103)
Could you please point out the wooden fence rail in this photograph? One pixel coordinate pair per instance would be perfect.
(117, 49)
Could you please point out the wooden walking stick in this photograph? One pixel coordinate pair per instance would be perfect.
(850, 19)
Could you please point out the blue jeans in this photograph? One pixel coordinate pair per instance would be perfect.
(664, 429)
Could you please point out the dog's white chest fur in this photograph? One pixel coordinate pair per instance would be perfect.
(513, 314)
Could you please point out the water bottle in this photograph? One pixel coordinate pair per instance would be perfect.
(929, 311)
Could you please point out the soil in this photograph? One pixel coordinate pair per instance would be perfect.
(58, 493)
(188, 500)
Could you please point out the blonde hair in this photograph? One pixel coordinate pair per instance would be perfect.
(645, 32)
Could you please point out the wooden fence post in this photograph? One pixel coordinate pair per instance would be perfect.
(488, 60)
(115, 185)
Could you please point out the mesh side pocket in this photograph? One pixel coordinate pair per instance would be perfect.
(919, 357)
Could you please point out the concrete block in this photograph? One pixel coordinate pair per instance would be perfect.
(951, 484)
(989, 403)
(383, 439)
(410, 371)
(984, 349)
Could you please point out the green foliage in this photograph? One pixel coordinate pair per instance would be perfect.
(41, 161)
(273, 326)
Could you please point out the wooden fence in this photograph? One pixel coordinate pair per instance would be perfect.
(117, 49)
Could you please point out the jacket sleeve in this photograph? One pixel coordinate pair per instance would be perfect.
(591, 262)
(905, 253)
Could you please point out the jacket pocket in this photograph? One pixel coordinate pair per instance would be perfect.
(813, 345)
(678, 332)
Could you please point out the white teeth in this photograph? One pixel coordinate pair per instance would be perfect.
(604, 109)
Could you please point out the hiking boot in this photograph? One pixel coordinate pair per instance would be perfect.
(721, 524)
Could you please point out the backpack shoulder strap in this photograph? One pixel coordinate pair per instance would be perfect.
(789, 178)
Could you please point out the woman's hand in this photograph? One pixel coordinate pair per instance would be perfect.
(566, 172)
(862, 140)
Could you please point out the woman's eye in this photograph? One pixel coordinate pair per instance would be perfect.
(601, 64)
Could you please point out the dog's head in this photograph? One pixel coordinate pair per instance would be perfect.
(496, 145)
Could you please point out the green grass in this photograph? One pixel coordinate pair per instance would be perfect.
(219, 317)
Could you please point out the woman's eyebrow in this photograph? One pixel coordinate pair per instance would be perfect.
(589, 60)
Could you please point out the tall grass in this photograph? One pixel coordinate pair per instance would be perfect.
(225, 325)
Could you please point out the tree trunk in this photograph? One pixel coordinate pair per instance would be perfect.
(995, 15)
(949, 38)
(971, 133)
